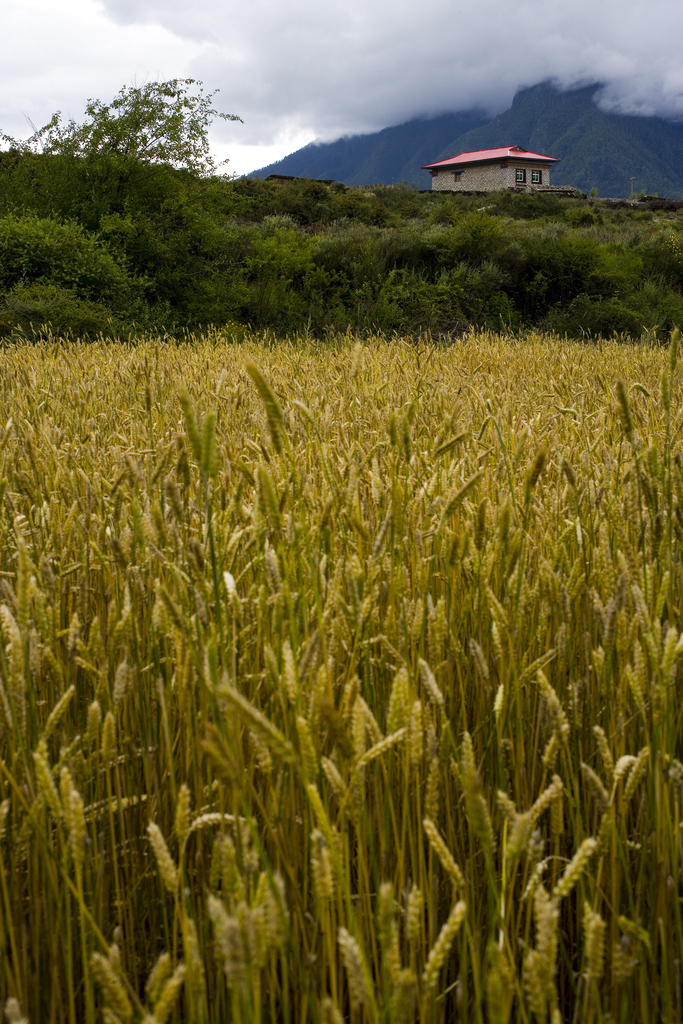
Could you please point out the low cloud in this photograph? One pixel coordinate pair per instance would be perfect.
(296, 70)
(57, 56)
(300, 66)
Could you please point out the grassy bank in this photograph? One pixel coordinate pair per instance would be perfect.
(340, 683)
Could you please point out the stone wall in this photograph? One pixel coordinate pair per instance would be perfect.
(486, 177)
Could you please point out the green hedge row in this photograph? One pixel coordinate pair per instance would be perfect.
(111, 246)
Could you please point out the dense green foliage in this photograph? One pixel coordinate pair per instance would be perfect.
(112, 243)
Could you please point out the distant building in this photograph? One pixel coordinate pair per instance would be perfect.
(491, 170)
(280, 179)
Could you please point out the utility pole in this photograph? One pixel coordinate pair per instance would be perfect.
(632, 186)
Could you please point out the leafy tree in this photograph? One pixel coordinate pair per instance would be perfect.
(158, 122)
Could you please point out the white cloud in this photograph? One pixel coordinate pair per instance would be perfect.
(300, 69)
(56, 56)
(326, 69)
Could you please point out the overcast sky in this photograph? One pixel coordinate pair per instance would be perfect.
(296, 70)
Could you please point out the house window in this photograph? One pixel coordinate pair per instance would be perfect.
(520, 176)
(434, 173)
(536, 177)
(457, 174)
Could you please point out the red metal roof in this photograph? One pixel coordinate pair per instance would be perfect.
(483, 155)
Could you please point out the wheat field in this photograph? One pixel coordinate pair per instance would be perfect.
(340, 683)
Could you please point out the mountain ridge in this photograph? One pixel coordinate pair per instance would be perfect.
(395, 152)
(597, 149)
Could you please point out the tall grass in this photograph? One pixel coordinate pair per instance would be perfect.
(341, 683)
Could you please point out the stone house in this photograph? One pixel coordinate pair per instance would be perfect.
(491, 170)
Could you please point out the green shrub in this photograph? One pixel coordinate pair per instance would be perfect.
(588, 317)
(36, 307)
(64, 254)
(408, 302)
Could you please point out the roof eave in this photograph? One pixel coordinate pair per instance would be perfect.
(444, 166)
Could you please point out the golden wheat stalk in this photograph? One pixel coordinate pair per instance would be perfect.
(442, 946)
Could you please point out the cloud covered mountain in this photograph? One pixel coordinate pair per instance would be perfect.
(598, 149)
(391, 155)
